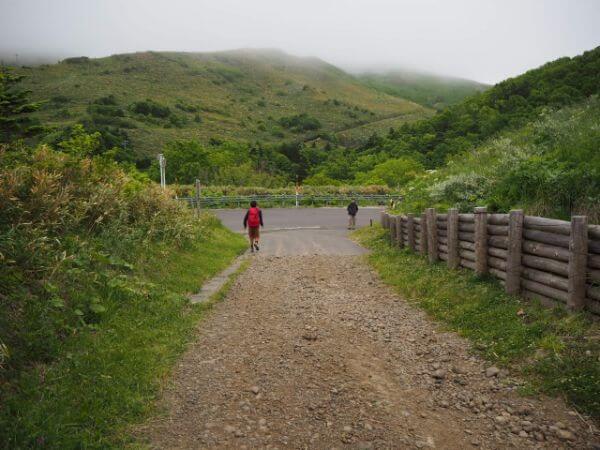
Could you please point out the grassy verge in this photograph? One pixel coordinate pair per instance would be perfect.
(555, 352)
(107, 378)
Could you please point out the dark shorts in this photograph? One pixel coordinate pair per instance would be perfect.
(254, 232)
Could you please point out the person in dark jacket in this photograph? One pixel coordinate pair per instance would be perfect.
(352, 210)
(253, 220)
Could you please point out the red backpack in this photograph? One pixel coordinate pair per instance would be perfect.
(253, 217)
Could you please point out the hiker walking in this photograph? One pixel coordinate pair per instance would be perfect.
(253, 220)
(352, 210)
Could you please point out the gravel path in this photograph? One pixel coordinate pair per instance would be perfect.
(316, 352)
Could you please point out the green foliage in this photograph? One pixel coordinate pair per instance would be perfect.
(551, 167)
(213, 190)
(108, 100)
(184, 106)
(15, 109)
(506, 106)
(77, 60)
(60, 99)
(81, 144)
(393, 172)
(554, 350)
(321, 179)
(107, 375)
(222, 163)
(151, 108)
(204, 92)
(64, 217)
(300, 122)
(428, 90)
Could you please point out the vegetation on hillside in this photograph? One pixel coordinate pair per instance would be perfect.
(140, 102)
(95, 265)
(530, 142)
(15, 120)
(508, 105)
(426, 89)
(556, 352)
(550, 167)
(307, 147)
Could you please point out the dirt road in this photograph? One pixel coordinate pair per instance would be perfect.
(315, 352)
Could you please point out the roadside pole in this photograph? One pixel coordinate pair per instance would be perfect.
(297, 194)
(197, 197)
(162, 162)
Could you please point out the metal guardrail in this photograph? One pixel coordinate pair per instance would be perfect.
(287, 199)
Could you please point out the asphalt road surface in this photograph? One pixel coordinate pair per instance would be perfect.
(304, 231)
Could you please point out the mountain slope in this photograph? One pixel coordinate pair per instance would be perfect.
(514, 104)
(258, 95)
(426, 89)
(505, 106)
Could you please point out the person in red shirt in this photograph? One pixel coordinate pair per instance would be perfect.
(253, 220)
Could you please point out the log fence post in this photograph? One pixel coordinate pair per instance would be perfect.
(410, 231)
(481, 266)
(578, 250)
(423, 246)
(432, 245)
(452, 232)
(399, 237)
(513, 255)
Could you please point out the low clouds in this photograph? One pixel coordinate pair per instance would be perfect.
(482, 40)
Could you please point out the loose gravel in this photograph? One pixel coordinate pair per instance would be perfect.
(316, 352)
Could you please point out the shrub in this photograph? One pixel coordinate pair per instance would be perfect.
(60, 99)
(106, 110)
(151, 108)
(300, 122)
(77, 60)
(177, 121)
(186, 107)
(68, 225)
(106, 100)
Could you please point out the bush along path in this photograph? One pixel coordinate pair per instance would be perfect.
(317, 352)
(96, 265)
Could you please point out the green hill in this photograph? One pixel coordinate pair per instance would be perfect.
(515, 105)
(426, 89)
(142, 101)
(505, 106)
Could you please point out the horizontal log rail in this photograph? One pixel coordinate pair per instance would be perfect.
(554, 261)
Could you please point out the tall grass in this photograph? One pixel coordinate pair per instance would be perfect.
(95, 267)
(68, 228)
(550, 167)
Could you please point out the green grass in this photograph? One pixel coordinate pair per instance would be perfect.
(358, 135)
(107, 380)
(234, 95)
(426, 89)
(557, 353)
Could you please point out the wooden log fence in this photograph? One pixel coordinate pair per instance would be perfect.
(554, 261)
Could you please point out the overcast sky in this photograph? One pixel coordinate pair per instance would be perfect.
(484, 40)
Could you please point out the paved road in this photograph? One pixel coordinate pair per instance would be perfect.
(304, 231)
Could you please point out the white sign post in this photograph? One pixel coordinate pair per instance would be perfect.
(162, 163)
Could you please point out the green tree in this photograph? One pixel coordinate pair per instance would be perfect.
(15, 109)
(393, 172)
